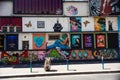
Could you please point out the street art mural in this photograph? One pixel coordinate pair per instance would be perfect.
(39, 41)
(76, 41)
(87, 23)
(62, 42)
(75, 24)
(88, 41)
(81, 55)
(106, 53)
(104, 7)
(73, 9)
(14, 57)
(100, 40)
(100, 24)
(111, 24)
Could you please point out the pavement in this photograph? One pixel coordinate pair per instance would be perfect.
(71, 69)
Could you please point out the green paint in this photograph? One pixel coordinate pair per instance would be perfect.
(54, 53)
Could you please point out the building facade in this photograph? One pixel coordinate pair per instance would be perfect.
(74, 29)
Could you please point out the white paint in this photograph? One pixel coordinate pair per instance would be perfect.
(27, 38)
(6, 8)
(49, 24)
(90, 25)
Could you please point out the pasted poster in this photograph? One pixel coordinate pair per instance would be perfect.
(100, 24)
(111, 23)
(100, 40)
(75, 24)
(104, 7)
(75, 8)
(11, 42)
(88, 41)
(112, 39)
(76, 41)
(39, 41)
(1, 42)
(60, 41)
(87, 23)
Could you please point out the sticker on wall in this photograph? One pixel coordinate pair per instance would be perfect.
(39, 41)
(111, 23)
(76, 41)
(73, 9)
(87, 24)
(62, 43)
(28, 24)
(100, 40)
(1, 42)
(104, 7)
(100, 24)
(40, 24)
(25, 45)
(75, 24)
(88, 41)
(11, 42)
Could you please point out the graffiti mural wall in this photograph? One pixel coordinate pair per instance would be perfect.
(104, 7)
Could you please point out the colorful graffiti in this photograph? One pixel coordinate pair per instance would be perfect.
(106, 53)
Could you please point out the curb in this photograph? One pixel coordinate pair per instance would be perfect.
(58, 74)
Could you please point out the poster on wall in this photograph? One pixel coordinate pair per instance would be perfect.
(88, 41)
(39, 41)
(75, 9)
(112, 23)
(100, 40)
(100, 24)
(87, 23)
(112, 40)
(58, 40)
(104, 7)
(1, 42)
(11, 42)
(75, 24)
(76, 41)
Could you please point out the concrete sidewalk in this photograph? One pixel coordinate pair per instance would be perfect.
(60, 70)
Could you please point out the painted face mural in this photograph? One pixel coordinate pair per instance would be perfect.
(75, 23)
